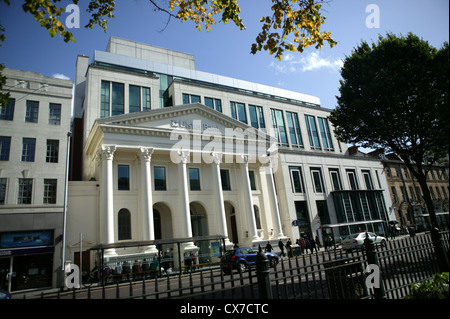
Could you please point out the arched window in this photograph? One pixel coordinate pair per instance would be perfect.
(124, 224)
(257, 217)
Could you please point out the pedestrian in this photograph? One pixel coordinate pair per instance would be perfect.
(281, 246)
(289, 247)
(136, 269)
(118, 272)
(318, 244)
(313, 245)
(269, 247)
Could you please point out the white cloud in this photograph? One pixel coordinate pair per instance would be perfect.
(60, 76)
(309, 62)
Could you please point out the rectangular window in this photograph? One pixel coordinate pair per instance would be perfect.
(117, 99)
(25, 191)
(50, 191)
(313, 133)
(7, 111)
(52, 151)
(335, 179)
(104, 103)
(3, 184)
(296, 179)
(194, 179)
(404, 195)
(215, 104)
(411, 192)
(368, 180)
(394, 194)
(28, 149)
(294, 130)
(251, 176)
(146, 99)
(256, 117)
(238, 111)
(32, 112)
(352, 179)
(54, 117)
(327, 142)
(279, 127)
(5, 146)
(134, 98)
(195, 99)
(186, 98)
(317, 180)
(225, 179)
(159, 175)
(123, 177)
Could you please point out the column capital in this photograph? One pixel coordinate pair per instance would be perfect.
(183, 156)
(107, 152)
(246, 158)
(216, 158)
(146, 153)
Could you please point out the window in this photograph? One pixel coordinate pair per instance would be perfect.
(159, 174)
(7, 111)
(317, 180)
(251, 176)
(352, 179)
(215, 104)
(194, 179)
(32, 112)
(335, 179)
(238, 111)
(50, 191)
(256, 117)
(146, 99)
(324, 128)
(294, 130)
(313, 134)
(257, 217)
(124, 224)
(394, 194)
(104, 103)
(54, 117)
(134, 99)
(112, 94)
(367, 180)
(296, 179)
(404, 194)
(117, 99)
(411, 192)
(3, 183)
(279, 127)
(25, 191)
(52, 151)
(28, 149)
(190, 99)
(5, 146)
(225, 178)
(123, 177)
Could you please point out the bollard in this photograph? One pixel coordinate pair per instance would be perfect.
(262, 274)
(372, 259)
(439, 249)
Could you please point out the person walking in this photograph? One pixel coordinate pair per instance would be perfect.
(269, 247)
(281, 246)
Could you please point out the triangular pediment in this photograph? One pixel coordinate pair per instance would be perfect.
(191, 117)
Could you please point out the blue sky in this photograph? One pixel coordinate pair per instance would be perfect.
(226, 50)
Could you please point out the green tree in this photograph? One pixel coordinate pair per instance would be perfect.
(394, 96)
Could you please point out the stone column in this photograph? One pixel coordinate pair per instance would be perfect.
(278, 230)
(147, 199)
(185, 209)
(216, 160)
(106, 198)
(247, 192)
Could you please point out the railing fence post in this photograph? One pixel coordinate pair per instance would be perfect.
(441, 254)
(262, 274)
(372, 259)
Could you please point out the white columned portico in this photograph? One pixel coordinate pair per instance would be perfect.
(147, 199)
(106, 198)
(185, 209)
(278, 230)
(216, 160)
(247, 192)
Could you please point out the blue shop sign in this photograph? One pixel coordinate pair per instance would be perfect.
(26, 239)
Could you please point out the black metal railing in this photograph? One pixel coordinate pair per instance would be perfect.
(386, 271)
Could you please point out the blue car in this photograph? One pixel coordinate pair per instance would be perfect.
(243, 258)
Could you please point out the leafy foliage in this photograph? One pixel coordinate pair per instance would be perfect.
(433, 288)
(394, 96)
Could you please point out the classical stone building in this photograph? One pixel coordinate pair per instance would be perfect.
(164, 151)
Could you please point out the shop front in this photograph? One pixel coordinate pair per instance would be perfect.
(26, 260)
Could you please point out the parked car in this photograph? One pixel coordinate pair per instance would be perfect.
(243, 258)
(4, 294)
(356, 240)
